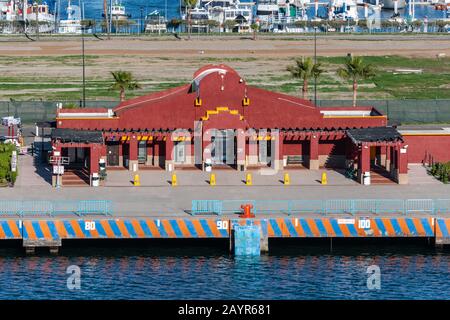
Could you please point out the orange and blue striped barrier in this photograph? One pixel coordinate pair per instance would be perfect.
(125, 228)
(354, 227)
(10, 229)
(220, 228)
(443, 228)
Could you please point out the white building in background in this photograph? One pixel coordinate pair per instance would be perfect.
(222, 11)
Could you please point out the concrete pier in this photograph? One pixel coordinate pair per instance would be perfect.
(243, 233)
(30, 245)
(246, 240)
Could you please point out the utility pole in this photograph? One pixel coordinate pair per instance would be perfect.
(82, 49)
(141, 25)
(315, 63)
(105, 12)
(37, 18)
(24, 14)
(110, 17)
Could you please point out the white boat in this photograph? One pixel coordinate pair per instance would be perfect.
(389, 4)
(45, 18)
(73, 22)
(344, 10)
(9, 10)
(118, 11)
(155, 23)
(293, 10)
(25, 12)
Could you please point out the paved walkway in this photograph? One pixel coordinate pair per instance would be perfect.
(166, 199)
(418, 175)
(156, 196)
(32, 175)
(266, 177)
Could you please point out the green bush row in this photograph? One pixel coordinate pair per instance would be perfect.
(6, 175)
(441, 171)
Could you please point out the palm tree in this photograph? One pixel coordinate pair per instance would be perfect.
(189, 5)
(123, 80)
(355, 69)
(255, 28)
(304, 69)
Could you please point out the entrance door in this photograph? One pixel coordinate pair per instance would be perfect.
(180, 154)
(113, 154)
(265, 151)
(77, 157)
(142, 152)
(223, 147)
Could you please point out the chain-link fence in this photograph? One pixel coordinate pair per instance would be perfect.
(398, 111)
(403, 111)
(31, 112)
(283, 24)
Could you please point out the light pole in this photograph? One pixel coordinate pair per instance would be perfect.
(141, 27)
(315, 63)
(83, 24)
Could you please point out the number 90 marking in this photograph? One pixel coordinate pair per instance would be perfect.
(222, 225)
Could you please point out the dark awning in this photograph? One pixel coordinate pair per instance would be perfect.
(375, 134)
(71, 135)
(46, 124)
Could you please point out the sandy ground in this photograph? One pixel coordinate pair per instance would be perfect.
(242, 47)
(171, 60)
(178, 59)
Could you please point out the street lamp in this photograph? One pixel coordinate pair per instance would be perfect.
(141, 24)
(83, 25)
(84, 68)
(315, 63)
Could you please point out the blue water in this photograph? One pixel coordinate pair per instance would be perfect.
(293, 272)
(94, 9)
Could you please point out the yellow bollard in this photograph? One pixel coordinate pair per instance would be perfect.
(324, 178)
(212, 179)
(287, 179)
(248, 179)
(174, 180)
(136, 181)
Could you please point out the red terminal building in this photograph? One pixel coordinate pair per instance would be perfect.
(219, 120)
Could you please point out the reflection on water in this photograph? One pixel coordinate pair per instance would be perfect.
(209, 273)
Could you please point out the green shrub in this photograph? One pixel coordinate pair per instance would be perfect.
(5, 163)
(441, 171)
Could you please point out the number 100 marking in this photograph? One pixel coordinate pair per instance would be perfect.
(364, 224)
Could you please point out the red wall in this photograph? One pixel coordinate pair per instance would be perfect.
(333, 147)
(419, 147)
(297, 147)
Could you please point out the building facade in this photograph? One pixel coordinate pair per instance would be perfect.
(220, 121)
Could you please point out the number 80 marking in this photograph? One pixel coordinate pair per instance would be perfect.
(89, 225)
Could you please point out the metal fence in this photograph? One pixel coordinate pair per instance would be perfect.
(398, 111)
(405, 110)
(137, 26)
(332, 206)
(31, 112)
(25, 208)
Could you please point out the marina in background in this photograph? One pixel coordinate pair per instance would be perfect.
(139, 16)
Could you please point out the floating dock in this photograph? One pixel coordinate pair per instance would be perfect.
(50, 232)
